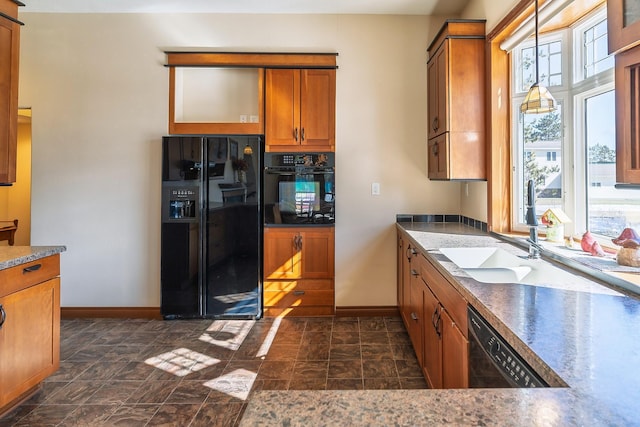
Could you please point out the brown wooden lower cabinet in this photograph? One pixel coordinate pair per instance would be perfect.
(30, 332)
(436, 319)
(299, 271)
(455, 351)
(432, 358)
(299, 297)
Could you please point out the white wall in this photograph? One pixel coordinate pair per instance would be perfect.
(98, 90)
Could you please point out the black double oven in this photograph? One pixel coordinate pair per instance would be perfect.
(299, 189)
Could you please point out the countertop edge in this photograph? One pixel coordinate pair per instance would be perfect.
(10, 256)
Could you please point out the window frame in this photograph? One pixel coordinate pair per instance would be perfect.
(571, 95)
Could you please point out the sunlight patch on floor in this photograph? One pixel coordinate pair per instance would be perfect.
(268, 340)
(237, 383)
(181, 362)
(230, 335)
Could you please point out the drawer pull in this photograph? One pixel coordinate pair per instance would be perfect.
(298, 292)
(34, 267)
(414, 316)
(3, 316)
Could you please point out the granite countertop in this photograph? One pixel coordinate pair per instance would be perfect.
(11, 256)
(575, 332)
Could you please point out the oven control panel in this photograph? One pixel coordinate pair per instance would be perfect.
(512, 367)
(293, 160)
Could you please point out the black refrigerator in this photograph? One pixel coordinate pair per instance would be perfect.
(211, 233)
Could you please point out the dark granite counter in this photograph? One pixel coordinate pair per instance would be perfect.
(572, 331)
(15, 255)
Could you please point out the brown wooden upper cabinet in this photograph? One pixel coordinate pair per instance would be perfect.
(627, 93)
(9, 55)
(300, 109)
(456, 102)
(623, 20)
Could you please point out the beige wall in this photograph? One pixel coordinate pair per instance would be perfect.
(98, 90)
(491, 10)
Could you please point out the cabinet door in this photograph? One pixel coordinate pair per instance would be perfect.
(29, 338)
(317, 253)
(299, 253)
(399, 267)
(9, 53)
(438, 157)
(455, 354)
(282, 254)
(282, 107)
(627, 116)
(437, 72)
(317, 108)
(409, 254)
(623, 21)
(416, 315)
(432, 358)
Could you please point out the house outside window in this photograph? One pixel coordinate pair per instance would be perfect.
(570, 152)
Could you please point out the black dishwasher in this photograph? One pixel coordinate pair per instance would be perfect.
(492, 362)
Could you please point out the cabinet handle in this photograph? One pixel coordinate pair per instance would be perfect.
(302, 135)
(295, 134)
(3, 316)
(298, 292)
(438, 320)
(297, 242)
(32, 268)
(435, 124)
(434, 150)
(414, 273)
(414, 316)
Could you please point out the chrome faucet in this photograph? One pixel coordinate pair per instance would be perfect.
(532, 222)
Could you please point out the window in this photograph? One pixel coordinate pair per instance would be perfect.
(570, 152)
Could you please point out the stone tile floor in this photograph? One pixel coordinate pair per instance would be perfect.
(202, 372)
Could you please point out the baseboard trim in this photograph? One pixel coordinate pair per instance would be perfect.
(367, 311)
(154, 312)
(110, 312)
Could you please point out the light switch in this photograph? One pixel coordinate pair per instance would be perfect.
(375, 188)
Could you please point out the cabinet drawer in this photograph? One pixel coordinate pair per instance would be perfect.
(297, 297)
(28, 274)
(313, 310)
(299, 285)
(9, 8)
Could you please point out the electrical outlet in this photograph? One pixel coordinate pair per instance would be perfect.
(243, 118)
(375, 188)
(253, 119)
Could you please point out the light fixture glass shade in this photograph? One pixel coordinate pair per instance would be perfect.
(248, 150)
(538, 100)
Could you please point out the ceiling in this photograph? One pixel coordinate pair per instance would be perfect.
(386, 7)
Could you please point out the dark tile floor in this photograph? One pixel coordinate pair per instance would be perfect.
(202, 372)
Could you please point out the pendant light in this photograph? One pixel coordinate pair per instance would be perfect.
(538, 99)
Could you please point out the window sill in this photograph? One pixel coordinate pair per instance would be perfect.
(603, 269)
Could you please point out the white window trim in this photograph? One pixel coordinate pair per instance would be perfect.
(605, 84)
(571, 96)
(578, 30)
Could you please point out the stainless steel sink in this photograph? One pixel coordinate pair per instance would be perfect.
(495, 265)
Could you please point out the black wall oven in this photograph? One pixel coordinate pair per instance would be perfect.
(299, 189)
